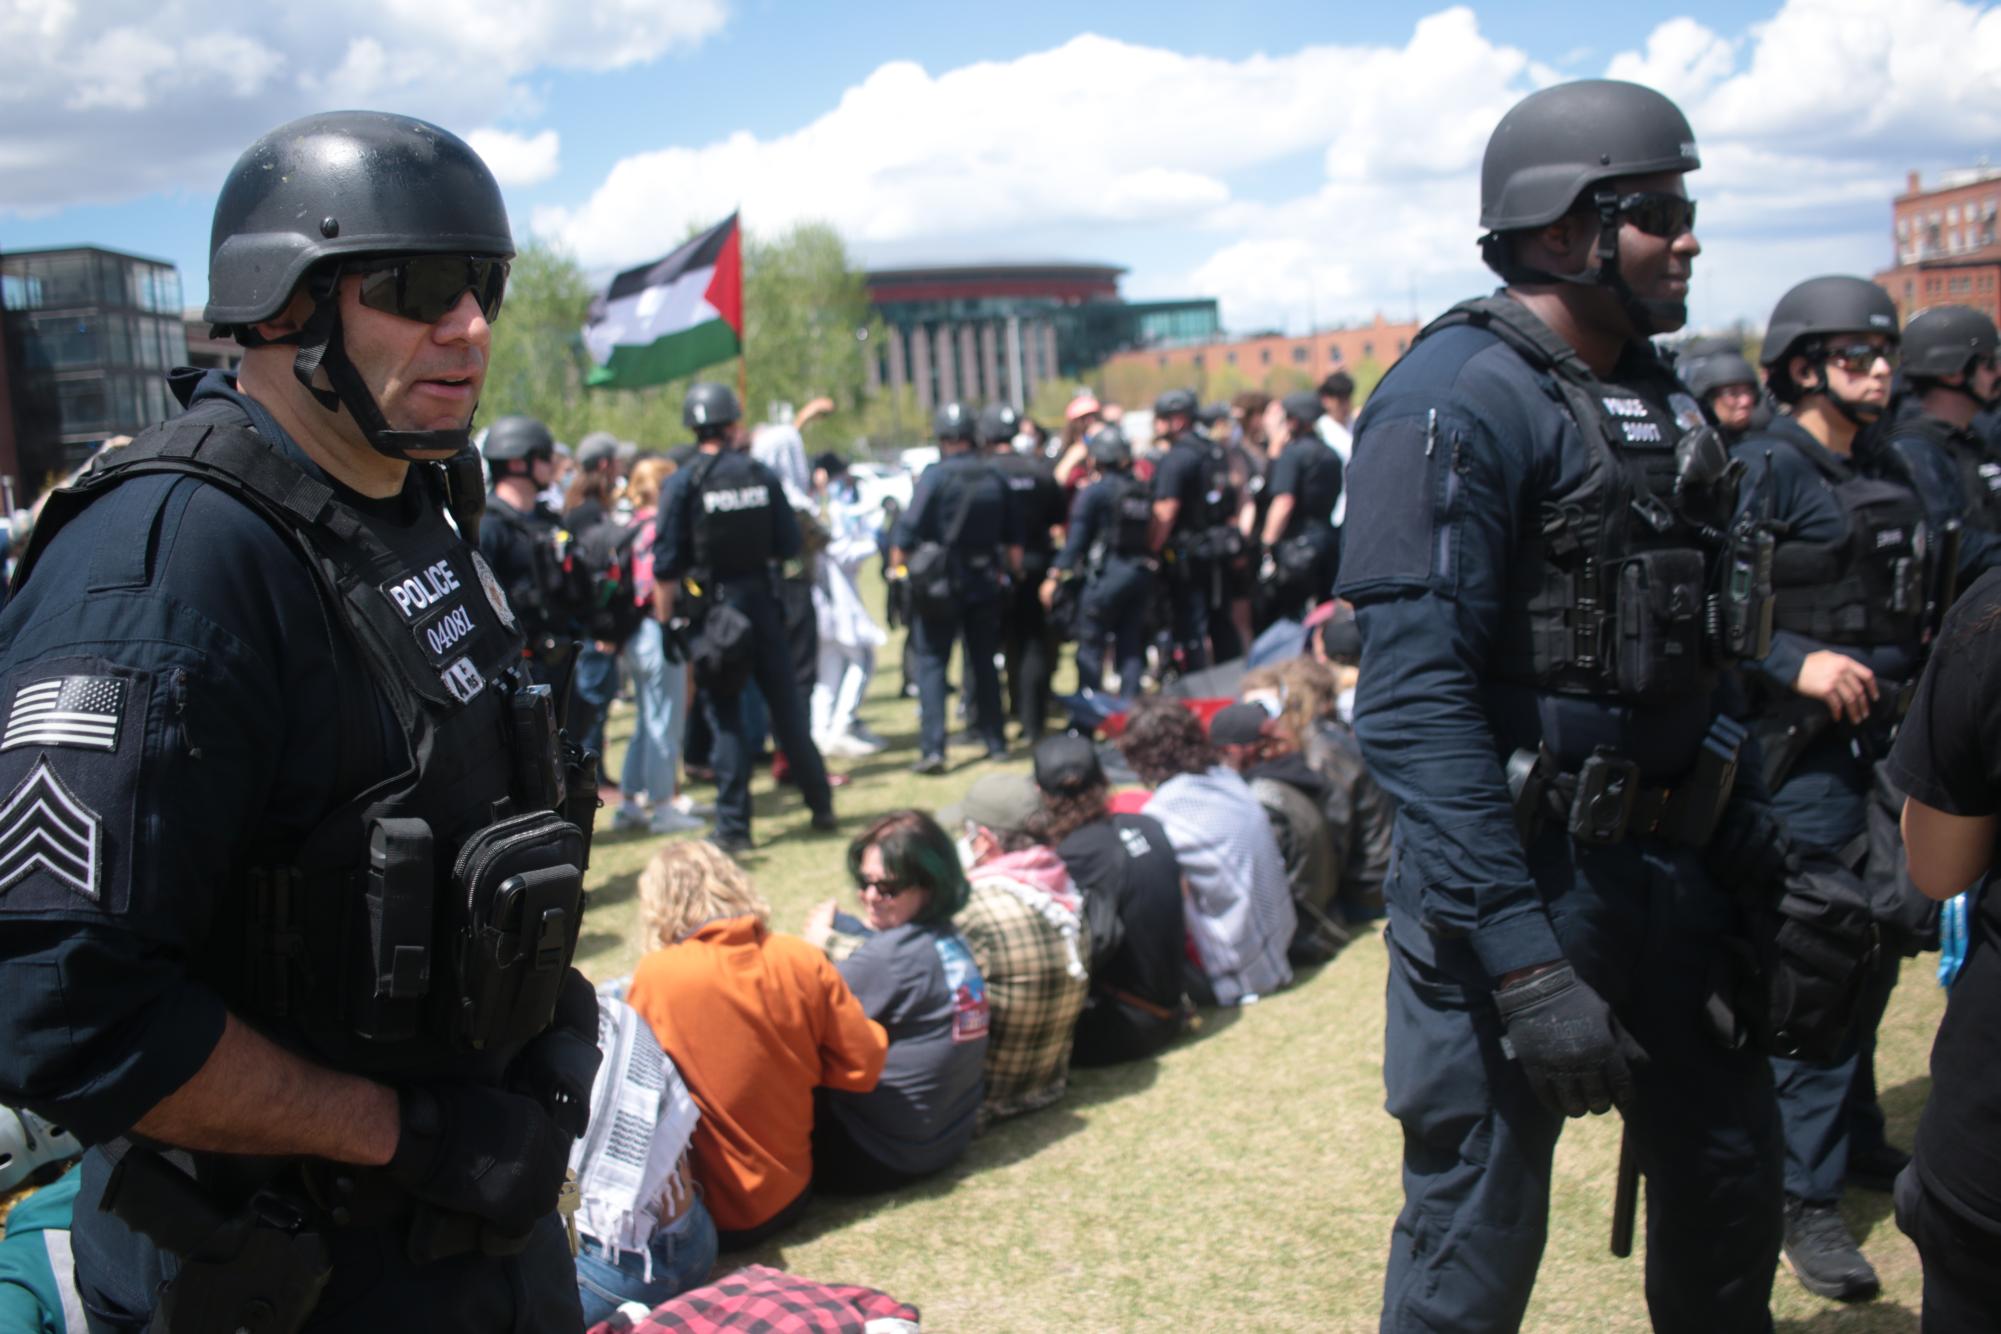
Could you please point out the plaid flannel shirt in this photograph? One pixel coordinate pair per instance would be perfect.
(760, 1300)
(1033, 1000)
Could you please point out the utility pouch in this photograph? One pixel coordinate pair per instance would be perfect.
(1741, 619)
(1692, 813)
(522, 883)
(1942, 574)
(930, 574)
(1815, 946)
(721, 651)
(1658, 625)
(1608, 787)
(580, 803)
(398, 895)
(539, 781)
(1528, 779)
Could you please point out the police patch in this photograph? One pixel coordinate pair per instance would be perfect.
(44, 827)
(79, 711)
(463, 680)
(494, 595)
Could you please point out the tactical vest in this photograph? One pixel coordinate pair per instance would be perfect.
(1867, 586)
(1131, 528)
(1037, 499)
(1319, 486)
(425, 925)
(1979, 471)
(730, 510)
(1611, 590)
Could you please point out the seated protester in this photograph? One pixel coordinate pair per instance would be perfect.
(1126, 870)
(37, 1276)
(754, 1022)
(1238, 911)
(915, 976)
(1024, 922)
(642, 1232)
(1291, 794)
(1359, 814)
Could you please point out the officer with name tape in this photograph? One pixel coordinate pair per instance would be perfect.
(1109, 546)
(1535, 546)
(1028, 640)
(293, 860)
(1193, 533)
(517, 535)
(1861, 578)
(725, 524)
(959, 545)
(1302, 548)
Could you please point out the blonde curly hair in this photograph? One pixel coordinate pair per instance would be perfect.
(1309, 691)
(690, 883)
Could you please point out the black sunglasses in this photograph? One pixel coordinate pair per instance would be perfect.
(888, 889)
(1859, 358)
(1658, 213)
(425, 288)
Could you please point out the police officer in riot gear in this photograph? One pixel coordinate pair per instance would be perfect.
(297, 858)
(1028, 640)
(1532, 546)
(1193, 509)
(960, 542)
(1109, 547)
(1726, 385)
(1301, 545)
(1935, 446)
(517, 535)
(1860, 577)
(724, 525)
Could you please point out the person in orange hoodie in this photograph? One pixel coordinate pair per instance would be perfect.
(754, 1022)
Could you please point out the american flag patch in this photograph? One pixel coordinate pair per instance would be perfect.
(80, 711)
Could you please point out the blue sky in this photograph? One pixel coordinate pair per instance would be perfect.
(1342, 180)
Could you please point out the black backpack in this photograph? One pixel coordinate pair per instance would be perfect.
(598, 588)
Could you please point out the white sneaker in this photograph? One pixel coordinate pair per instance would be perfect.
(843, 746)
(629, 815)
(667, 820)
(863, 733)
(687, 805)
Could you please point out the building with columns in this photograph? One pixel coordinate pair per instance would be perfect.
(993, 333)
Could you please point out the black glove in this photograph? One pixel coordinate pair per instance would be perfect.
(1576, 1056)
(558, 1067)
(1750, 853)
(674, 640)
(482, 1151)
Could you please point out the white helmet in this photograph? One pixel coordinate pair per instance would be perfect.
(28, 1143)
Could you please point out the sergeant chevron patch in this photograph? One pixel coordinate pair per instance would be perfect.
(44, 826)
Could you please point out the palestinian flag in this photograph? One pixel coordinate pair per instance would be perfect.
(672, 317)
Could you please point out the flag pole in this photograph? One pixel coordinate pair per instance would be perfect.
(742, 349)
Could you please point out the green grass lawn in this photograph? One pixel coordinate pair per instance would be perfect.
(1246, 1179)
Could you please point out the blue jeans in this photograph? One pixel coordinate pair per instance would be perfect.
(660, 687)
(681, 1258)
(593, 689)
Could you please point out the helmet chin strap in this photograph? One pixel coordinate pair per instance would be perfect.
(1647, 317)
(1857, 414)
(321, 347)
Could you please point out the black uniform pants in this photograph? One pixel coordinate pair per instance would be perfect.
(1028, 649)
(979, 624)
(776, 674)
(1116, 605)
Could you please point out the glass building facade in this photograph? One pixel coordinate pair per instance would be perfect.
(90, 335)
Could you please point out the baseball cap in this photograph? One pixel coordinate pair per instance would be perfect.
(1004, 802)
(1066, 763)
(1238, 725)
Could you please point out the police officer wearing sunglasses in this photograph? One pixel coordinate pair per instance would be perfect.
(292, 856)
(1537, 515)
(1863, 569)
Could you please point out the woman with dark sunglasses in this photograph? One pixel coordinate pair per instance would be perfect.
(915, 976)
(1854, 576)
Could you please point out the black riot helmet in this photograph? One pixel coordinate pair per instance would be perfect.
(1110, 450)
(1569, 145)
(954, 421)
(709, 409)
(998, 424)
(1302, 408)
(1806, 317)
(1945, 340)
(342, 192)
(518, 438)
(1175, 403)
(1711, 371)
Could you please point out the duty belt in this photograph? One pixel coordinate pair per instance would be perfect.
(1604, 801)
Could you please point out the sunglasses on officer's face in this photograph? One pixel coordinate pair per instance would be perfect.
(1658, 213)
(426, 288)
(1859, 358)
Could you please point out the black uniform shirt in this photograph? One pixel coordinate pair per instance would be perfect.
(674, 540)
(203, 697)
(1189, 472)
(1038, 500)
(520, 548)
(993, 520)
(1309, 472)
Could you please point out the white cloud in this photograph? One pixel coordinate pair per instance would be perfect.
(115, 99)
(516, 159)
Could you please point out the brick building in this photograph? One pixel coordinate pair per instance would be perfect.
(1947, 247)
(1258, 359)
